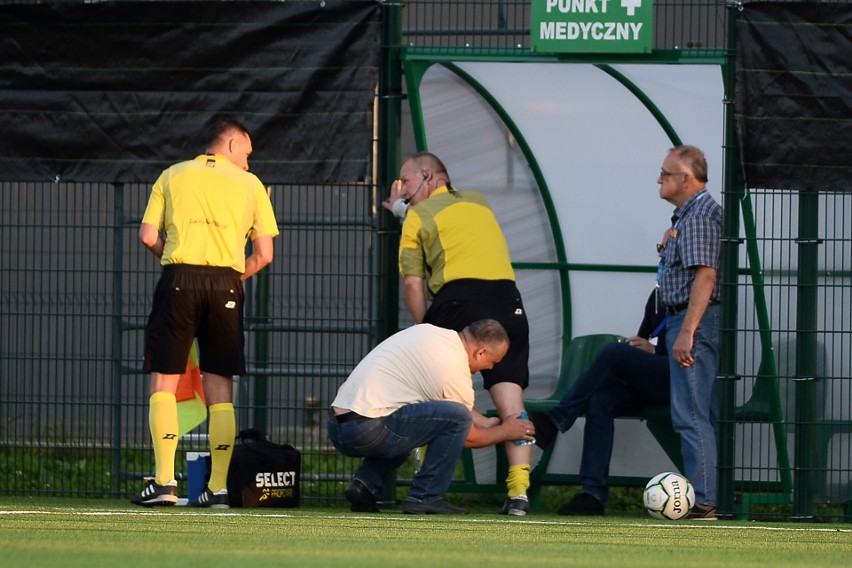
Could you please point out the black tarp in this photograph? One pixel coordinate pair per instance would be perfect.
(794, 95)
(117, 91)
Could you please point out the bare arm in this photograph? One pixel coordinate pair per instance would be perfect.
(150, 236)
(483, 421)
(415, 297)
(261, 255)
(489, 431)
(699, 298)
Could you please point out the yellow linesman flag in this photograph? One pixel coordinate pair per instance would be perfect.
(191, 406)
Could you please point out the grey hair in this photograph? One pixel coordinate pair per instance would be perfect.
(692, 158)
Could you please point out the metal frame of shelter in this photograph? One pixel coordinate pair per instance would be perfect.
(418, 48)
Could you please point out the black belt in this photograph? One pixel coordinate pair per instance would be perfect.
(677, 308)
(680, 307)
(348, 417)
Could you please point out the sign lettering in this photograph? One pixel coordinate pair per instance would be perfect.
(591, 26)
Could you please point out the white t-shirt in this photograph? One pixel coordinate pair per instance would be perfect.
(418, 364)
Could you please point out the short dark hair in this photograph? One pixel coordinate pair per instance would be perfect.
(488, 333)
(222, 128)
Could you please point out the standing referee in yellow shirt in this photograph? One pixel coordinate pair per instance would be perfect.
(199, 217)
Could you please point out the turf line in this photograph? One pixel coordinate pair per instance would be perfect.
(414, 519)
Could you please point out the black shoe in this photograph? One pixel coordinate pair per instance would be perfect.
(154, 494)
(436, 507)
(361, 499)
(218, 500)
(518, 506)
(582, 505)
(701, 512)
(545, 430)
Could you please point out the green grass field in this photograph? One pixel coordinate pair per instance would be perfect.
(37, 533)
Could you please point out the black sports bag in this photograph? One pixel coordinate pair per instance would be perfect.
(263, 473)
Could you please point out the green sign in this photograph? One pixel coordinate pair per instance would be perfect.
(591, 26)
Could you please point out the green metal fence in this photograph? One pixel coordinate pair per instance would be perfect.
(75, 288)
(789, 403)
(502, 27)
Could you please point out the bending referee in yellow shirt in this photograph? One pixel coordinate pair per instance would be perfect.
(453, 251)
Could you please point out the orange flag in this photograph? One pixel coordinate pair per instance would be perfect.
(192, 408)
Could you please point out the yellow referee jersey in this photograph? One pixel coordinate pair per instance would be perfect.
(453, 235)
(208, 208)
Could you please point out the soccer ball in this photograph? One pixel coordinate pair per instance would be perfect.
(669, 495)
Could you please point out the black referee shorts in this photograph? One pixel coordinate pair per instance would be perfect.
(204, 302)
(462, 302)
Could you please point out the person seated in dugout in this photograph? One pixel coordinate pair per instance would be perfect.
(624, 378)
(415, 389)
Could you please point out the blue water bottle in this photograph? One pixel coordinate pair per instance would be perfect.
(524, 416)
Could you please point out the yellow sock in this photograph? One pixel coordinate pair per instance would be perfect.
(163, 420)
(519, 480)
(223, 430)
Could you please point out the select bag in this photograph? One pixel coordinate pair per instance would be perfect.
(263, 473)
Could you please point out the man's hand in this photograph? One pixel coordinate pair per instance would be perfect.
(487, 422)
(517, 429)
(394, 203)
(489, 431)
(640, 343)
(682, 348)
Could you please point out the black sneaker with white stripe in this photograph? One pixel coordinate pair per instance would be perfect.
(154, 494)
(218, 500)
(517, 506)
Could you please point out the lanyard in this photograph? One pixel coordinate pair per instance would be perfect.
(661, 326)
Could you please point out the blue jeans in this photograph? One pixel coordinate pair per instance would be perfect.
(385, 443)
(695, 402)
(621, 381)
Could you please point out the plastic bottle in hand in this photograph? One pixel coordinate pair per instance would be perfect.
(524, 416)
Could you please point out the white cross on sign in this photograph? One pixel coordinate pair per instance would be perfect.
(631, 6)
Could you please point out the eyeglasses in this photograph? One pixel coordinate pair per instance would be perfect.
(664, 173)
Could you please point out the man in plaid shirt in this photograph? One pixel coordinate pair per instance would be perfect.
(688, 283)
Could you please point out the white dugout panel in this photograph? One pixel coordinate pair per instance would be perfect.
(599, 150)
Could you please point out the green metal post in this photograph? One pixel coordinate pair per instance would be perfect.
(389, 157)
(732, 191)
(260, 321)
(117, 329)
(803, 494)
(806, 354)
